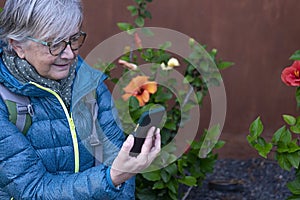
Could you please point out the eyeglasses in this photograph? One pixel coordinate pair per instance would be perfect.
(75, 42)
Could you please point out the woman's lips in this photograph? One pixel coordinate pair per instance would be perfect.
(61, 66)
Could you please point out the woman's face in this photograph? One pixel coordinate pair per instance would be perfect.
(47, 65)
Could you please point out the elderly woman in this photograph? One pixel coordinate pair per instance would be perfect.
(54, 159)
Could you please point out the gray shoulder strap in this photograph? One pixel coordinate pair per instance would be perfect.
(94, 139)
(6, 94)
(23, 106)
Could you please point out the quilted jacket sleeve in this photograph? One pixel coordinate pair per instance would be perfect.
(109, 121)
(23, 175)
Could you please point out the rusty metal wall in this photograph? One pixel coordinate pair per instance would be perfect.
(257, 35)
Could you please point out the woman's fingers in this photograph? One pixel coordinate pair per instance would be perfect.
(157, 143)
(128, 144)
(156, 146)
(124, 163)
(148, 143)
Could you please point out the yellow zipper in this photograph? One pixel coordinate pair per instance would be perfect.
(71, 124)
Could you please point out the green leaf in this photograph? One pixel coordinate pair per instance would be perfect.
(188, 79)
(211, 138)
(282, 147)
(181, 164)
(198, 82)
(124, 26)
(170, 125)
(158, 185)
(296, 55)
(256, 128)
(251, 140)
(163, 96)
(286, 137)
(277, 135)
(152, 176)
(171, 169)
(173, 195)
(293, 197)
(298, 97)
(219, 144)
(165, 45)
(200, 97)
(147, 31)
(172, 158)
(139, 21)
(133, 10)
(283, 161)
(224, 65)
(131, 32)
(145, 194)
(147, 54)
(204, 65)
(263, 147)
(133, 104)
(213, 133)
(164, 156)
(294, 159)
(161, 57)
(290, 120)
(294, 186)
(293, 146)
(170, 148)
(165, 176)
(188, 180)
(295, 129)
(172, 185)
(148, 14)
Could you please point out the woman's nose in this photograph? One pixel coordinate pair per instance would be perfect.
(67, 53)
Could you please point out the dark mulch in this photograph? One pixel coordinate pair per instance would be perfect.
(253, 179)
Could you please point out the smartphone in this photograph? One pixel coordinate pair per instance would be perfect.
(153, 117)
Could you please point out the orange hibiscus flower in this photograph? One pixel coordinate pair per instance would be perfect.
(141, 88)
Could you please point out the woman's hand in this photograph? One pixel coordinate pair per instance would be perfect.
(126, 166)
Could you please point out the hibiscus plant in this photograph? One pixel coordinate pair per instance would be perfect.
(285, 143)
(141, 91)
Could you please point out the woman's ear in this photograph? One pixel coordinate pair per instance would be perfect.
(18, 48)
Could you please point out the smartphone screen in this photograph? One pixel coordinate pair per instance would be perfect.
(148, 119)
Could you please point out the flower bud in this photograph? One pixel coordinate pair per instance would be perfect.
(173, 62)
(128, 65)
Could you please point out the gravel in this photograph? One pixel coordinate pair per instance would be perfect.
(253, 179)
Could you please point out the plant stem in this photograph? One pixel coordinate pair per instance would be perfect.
(187, 193)
(187, 96)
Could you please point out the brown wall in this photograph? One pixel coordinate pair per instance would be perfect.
(257, 35)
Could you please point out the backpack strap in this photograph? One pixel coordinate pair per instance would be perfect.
(19, 108)
(94, 139)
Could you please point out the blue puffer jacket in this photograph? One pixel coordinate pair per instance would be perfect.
(53, 161)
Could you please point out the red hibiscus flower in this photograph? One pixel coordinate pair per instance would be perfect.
(291, 75)
(140, 88)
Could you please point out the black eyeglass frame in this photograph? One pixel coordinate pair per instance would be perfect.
(49, 44)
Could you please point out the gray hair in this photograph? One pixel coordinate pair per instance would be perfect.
(51, 20)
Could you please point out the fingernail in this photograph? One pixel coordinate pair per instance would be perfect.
(130, 138)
